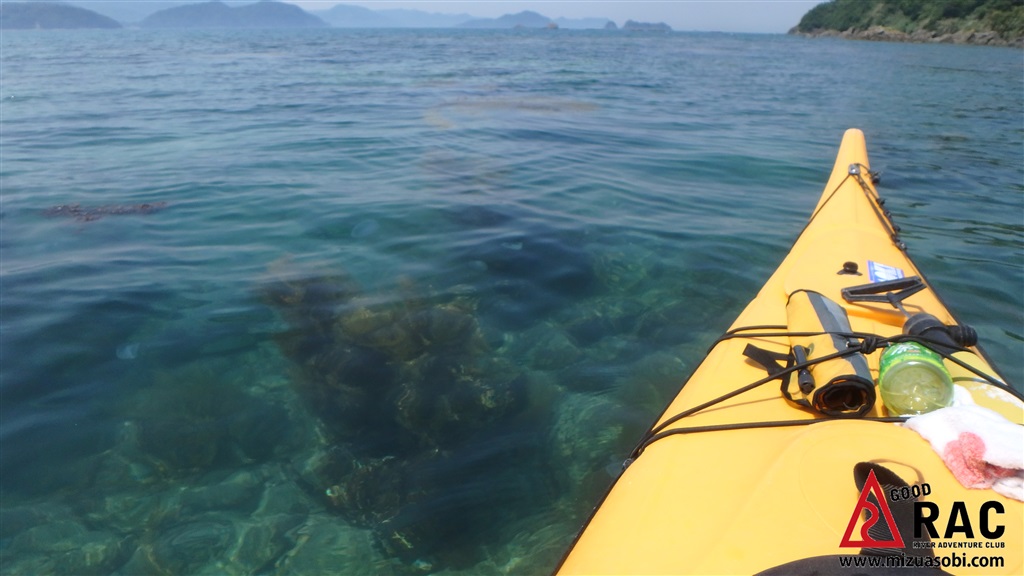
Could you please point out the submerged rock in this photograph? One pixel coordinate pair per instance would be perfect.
(373, 491)
(553, 349)
(239, 491)
(436, 509)
(462, 498)
(405, 332)
(184, 548)
(56, 536)
(284, 498)
(183, 443)
(670, 322)
(593, 376)
(347, 388)
(622, 271)
(532, 548)
(586, 437)
(66, 547)
(531, 275)
(323, 545)
(324, 468)
(309, 304)
(657, 376)
(130, 512)
(259, 544)
(192, 420)
(16, 520)
(598, 318)
(448, 398)
(259, 428)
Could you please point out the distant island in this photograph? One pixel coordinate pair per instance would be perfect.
(263, 14)
(348, 16)
(524, 19)
(50, 15)
(646, 26)
(986, 22)
(274, 14)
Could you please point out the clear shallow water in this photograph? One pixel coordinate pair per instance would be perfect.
(385, 301)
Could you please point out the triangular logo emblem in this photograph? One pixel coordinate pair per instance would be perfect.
(875, 513)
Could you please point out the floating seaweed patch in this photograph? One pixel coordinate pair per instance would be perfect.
(85, 214)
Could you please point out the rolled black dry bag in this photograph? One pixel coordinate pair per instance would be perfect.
(840, 387)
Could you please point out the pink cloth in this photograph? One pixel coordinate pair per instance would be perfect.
(979, 446)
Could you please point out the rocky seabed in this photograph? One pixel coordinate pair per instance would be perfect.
(374, 435)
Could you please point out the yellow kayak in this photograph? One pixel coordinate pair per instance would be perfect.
(780, 455)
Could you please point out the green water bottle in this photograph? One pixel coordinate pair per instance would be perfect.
(913, 380)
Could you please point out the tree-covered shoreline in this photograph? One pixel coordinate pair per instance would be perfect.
(990, 22)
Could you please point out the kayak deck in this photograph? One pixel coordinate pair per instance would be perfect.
(742, 485)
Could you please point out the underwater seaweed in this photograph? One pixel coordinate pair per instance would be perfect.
(408, 393)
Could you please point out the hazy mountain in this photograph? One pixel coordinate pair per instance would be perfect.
(263, 14)
(125, 12)
(28, 15)
(346, 16)
(418, 19)
(524, 19)
(340, 15)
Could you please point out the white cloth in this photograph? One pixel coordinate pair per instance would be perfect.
(979, 446)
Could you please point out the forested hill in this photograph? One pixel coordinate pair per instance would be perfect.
(994, 22)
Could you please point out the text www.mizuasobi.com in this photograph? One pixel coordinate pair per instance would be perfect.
(904, 561)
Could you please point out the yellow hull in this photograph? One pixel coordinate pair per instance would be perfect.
(740, 501)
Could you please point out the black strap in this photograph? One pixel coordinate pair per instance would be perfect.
(769, 360)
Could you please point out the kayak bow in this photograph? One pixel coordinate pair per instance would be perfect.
(739, 477)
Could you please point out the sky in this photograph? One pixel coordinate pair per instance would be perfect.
(762, 16)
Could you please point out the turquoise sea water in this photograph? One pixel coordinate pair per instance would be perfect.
(357, 302)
